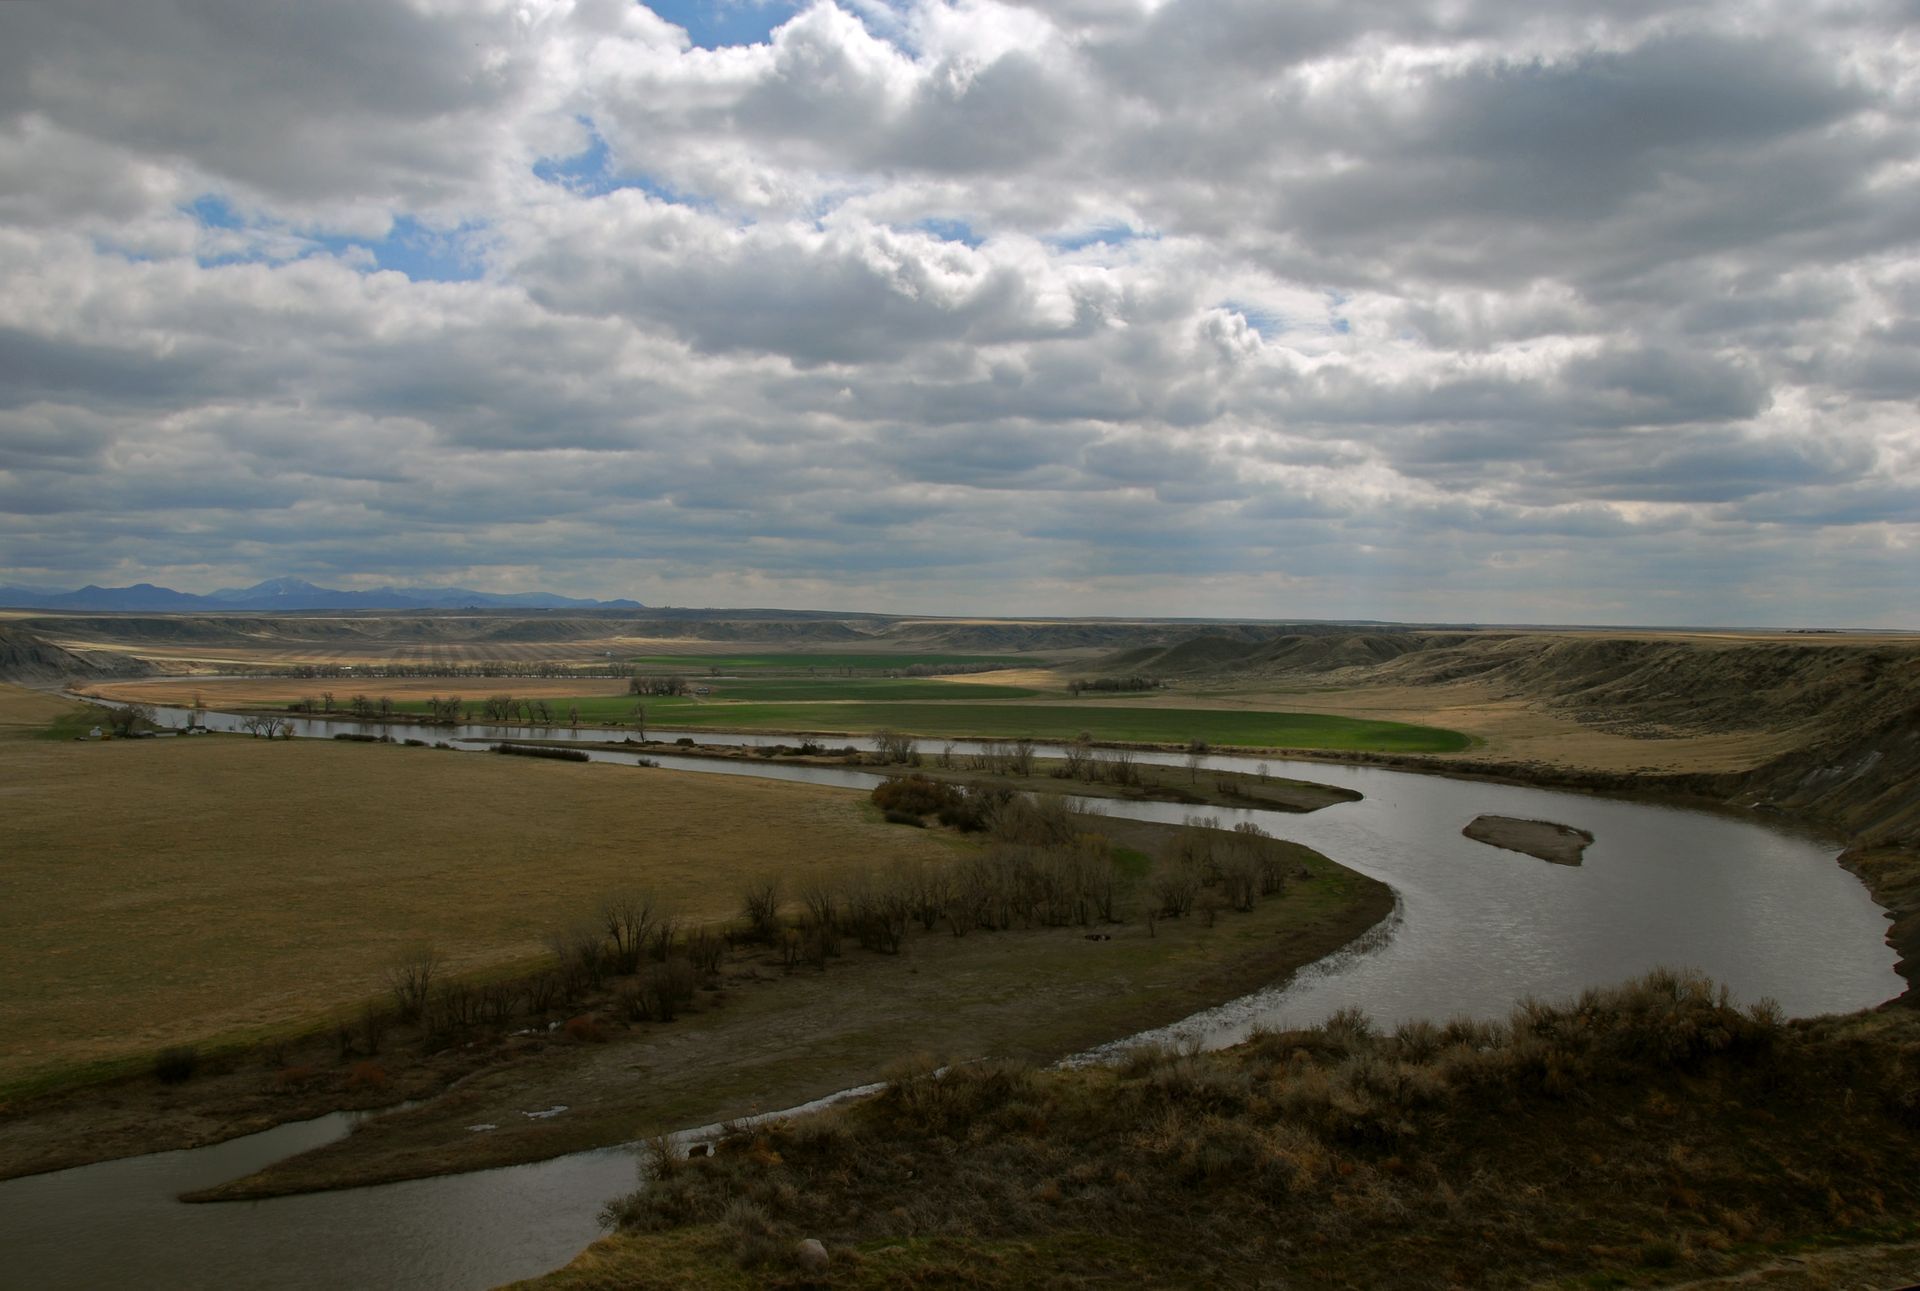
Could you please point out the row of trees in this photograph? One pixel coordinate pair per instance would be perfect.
(448, 711)
(1090, 765)
(1113, 685)
(641, 683)
(478, 668)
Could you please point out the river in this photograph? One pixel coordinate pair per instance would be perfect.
(1760, 907)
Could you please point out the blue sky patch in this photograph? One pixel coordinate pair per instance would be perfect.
(590, 173)
(715, 24)
(1112, 235)
(1263, 321)
(951, 231)
(421, 253)
(214, 212)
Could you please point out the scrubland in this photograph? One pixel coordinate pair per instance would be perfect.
(1648, 1134)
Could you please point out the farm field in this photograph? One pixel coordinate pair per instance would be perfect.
(858, 705)
(1228, 727)
(866, 661)
(878, 689)
(166, 890)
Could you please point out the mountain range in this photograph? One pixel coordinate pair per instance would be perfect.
(286, 595)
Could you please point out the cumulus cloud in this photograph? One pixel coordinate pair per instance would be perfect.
(1475, 309)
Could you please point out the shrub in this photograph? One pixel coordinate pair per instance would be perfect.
(541, 751)
(913, 795)
(585, 1029)
(972, 809)
(176, 1064)
(367, 1075)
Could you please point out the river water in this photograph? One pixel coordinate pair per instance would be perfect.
(1761, 908)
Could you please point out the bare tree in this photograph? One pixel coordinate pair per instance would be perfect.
(893, 747)
(126, 718)
(628, 918)
(411, 982)
(760, 903)
(264, 725)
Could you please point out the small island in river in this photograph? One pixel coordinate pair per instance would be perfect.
(1560, 844)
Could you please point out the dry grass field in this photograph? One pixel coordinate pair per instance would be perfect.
(25, 714)
(159, 891)
(1510, 728)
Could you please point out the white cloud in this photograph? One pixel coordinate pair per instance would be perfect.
(1438, 310)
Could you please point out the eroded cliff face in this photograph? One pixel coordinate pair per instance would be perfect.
(1647, 686)
(28, 660)
(1864, 784)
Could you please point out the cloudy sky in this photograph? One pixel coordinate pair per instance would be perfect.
(1498, 310)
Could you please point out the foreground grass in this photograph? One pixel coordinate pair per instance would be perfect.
(1644, 1135)
(158, 891)
(1066, 721)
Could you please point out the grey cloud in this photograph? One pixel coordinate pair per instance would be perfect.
(35, 367)
(1625, 304)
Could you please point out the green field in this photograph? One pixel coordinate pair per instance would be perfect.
(799, 689)
(806, 659)
(1225, 727)
(595, 710)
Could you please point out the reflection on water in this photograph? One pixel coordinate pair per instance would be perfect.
(1475, 929)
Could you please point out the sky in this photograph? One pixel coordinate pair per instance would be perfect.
(1424, 310)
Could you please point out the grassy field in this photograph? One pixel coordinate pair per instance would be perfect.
(770, 1038)
(163, 890)
(31, 715)
(805, 659)
(1226, 727)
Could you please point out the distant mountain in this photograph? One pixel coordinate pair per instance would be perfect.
(287, 595)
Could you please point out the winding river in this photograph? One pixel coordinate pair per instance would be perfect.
(1758, 906)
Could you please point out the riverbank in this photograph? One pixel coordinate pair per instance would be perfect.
(767, 1037)
(827, 1029)
(1102, 772)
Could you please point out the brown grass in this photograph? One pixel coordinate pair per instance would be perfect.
(773, 1038)
(1645, 1135)
(24, 714)
(1510, 729)
(165, 890)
